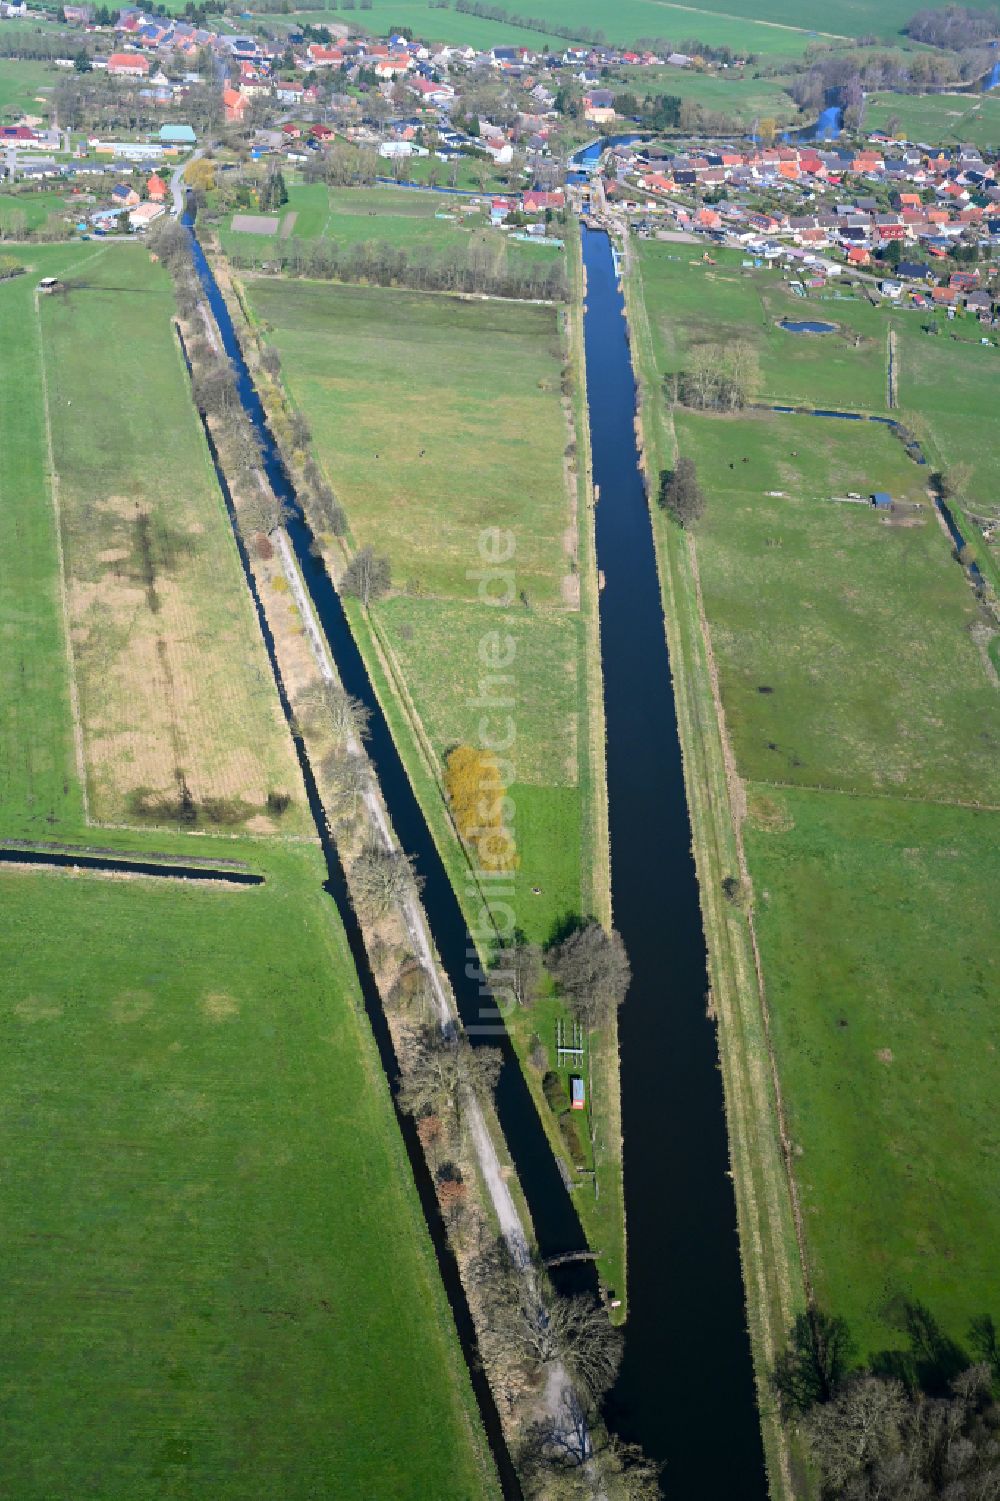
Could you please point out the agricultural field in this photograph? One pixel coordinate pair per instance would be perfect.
(25, 86)
(885, 1030)
(175, 712)
(397, 451)
(216, 1264)
(853, 669)
(741, 98)
(624, 22)
(404, 218)
(937, 119)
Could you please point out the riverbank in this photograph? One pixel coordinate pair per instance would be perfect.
(769, 1245)
(597, 1195)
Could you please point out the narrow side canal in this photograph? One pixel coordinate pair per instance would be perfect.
(686, 1389)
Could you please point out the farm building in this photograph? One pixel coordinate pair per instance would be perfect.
(882, 500)
(576, 1092)
(176, 135)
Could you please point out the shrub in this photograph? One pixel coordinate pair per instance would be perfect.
(571, 1139)
(555, 1093)
(476, 793)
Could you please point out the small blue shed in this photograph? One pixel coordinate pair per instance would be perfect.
(882, 500)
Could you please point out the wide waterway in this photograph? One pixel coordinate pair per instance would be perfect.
(686, 1390)
(686, 1374)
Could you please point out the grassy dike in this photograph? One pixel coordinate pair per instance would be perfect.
(774, 1272)
(599, 1198)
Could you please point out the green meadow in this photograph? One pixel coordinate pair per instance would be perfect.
(691, 302)
(425, 467)
(853, 668)
(404, 218)
(173, 684)
(884, 1022)
(937, 119)
(36, 208)
(216, 1264)
(740, 98)
(736, 26)
(850, 663)
(25, 86)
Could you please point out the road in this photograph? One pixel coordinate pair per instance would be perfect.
(175, 181)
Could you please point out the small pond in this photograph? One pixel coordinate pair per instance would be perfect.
(808, 327)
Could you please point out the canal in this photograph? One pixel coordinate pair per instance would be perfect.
(686, 1376)
(686, 1389)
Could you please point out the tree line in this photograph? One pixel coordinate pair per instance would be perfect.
(476, 268)
(910, 1425)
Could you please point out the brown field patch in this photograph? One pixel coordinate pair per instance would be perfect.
(35, 1008)
(131, 1005)
(218, 1006)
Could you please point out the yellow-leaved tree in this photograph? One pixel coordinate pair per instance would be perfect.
(476, 793)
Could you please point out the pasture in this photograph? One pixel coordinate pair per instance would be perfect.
(177, 712)
(692, 303)
(424, 468)
(849, 664)
(420, 435)
(884, 1024)
(853, 670)
(743, 98)
(25, 86)
(31, 210)
(937, 119)
(736, 26)
(216, 1265)
(415, 222)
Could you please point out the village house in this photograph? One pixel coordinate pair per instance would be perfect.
(128, 65)
(235, 105)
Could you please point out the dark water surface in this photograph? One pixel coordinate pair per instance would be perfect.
(686, 1389)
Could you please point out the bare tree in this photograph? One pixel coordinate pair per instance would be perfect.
(347, 778)
(380, 878)
(367, 576)
(333, 712)
(445, 1073)
(260, 512)
(591, 968)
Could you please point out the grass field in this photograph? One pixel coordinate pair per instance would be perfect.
(173, 685)
(937, 119)
(426, 468)
(404, 218)
(350, 355)
(849, 664)
(741, 98)
(886, 1041)
(216, 1266)
(36, 208)
(734, 25)
(846, 662)
(25, 86)
(398, 451)
(692, 303)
